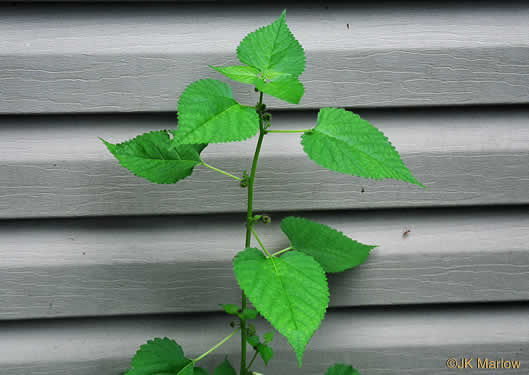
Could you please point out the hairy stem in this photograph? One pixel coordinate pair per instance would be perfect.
(252, 361)
(289, 131)
(260, 242)
(249, 223)
(282, 251)
(220, 171)
(216, 346)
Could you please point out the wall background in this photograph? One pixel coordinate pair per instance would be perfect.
(95, 261)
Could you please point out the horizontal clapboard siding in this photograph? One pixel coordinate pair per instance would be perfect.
(405, 341)
(95, 261)
(104, 266)
(121, 58)
(56, 166)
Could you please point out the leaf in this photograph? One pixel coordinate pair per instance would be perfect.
(207, 113)
(158, 356)
(200, 371)
(332, 249)
(290, 89)
(340, 369)
(231, 309)
(344, 142)
(148, 156)
(249, 314)
(253, 340)
(273, 48)
(268, 337)
(239, 73)
(291, 292)
(266, 352)
(225, 368)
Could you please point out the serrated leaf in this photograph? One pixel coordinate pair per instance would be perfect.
(239, 73)
(225, 368)
(268, 337)
(290, 89)
(148, 156)
(290, 292)
(344, 142)
(253, 340)
(332, 249)
(266, 353)
(273, 48)
(230, 308)
(158, 356)
(249, 314)
(200, 371)
(341, 369)
(207, 113)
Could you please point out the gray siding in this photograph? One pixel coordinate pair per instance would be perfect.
(115, 58)
(87, 249)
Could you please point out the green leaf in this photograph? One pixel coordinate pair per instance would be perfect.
(290, 89)
(225, 368)
(148, 156)
(340, 369)
(266, 353)
(268, 337)
(158, 356)
(332, 249)
(291, 292)
(200, 371)
(239, 73)
(344, 142)
(231, 309)
(273, 48)
(253, 340)
(249, 314)
(207, 113)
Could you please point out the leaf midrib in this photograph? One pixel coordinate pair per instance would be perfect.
(286, 294)
(200, 126)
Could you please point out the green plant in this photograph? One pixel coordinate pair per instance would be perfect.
(276, 283)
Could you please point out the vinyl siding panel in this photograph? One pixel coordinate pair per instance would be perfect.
(56, 166)
(399, 341)
(128, 58)
(96, 267)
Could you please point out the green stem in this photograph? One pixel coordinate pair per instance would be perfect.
(252, 361)
(260, 242)
(220, 171)
(289, 131)
(282, 251)
(216, 346)
(249, 217)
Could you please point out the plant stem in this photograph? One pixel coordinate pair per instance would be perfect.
(290, 131)
(249, 218)
(220, 171)
(260, 242)
(217, 345)
(282, 251)
(252, 361)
